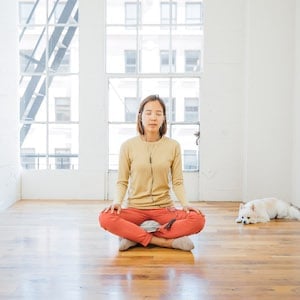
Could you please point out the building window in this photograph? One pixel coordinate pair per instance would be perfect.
(193, 13)
(62, 158)
(28, 158)
(192, 60)
(170, 109)
(131, 107)
(168, 13)
(191, 110)
(167, 61)
(190, 160)
(130, 61)
(49, 82)
(132, 14)
(63, 109)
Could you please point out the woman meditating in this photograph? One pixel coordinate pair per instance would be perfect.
(148, 165)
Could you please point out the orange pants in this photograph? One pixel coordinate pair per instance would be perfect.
(127, 223)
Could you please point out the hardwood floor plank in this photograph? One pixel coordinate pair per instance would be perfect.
(56, 250)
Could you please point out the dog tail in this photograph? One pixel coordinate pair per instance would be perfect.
(294, 213)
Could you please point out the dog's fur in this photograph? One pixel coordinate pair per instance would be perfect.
(263, 210)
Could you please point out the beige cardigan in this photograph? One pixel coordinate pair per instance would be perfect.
(146, 171)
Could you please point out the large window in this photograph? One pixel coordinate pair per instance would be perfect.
(49, 84)
(154, 47)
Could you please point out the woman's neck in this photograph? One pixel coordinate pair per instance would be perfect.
(151, 138)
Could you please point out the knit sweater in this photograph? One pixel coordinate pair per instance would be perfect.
(146, 172)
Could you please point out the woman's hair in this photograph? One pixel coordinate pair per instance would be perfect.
(140, 127)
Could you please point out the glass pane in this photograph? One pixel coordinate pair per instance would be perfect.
(188, 51)
(193, 12)
(32, 45)
(186, 136)
(168, 13)
(33, 98)
(152, 86)
(118, 133)
(63, 50)
(184, 88)
(63, 146)
(32, 12)
(65, 88)
(116, 50)
(115, 12)
(150, 12)
(151, 42)
(118, 90)
(33, 146)
(63, 12)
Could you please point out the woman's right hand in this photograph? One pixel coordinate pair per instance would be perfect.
(113, 207)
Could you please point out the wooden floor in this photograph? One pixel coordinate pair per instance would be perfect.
(56, 250)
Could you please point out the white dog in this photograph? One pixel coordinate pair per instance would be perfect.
(263, 210)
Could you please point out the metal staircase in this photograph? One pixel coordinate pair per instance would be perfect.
(35, 91)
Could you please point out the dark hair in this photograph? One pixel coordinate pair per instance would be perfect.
(140, 127)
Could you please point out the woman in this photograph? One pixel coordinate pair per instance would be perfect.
(147, 164)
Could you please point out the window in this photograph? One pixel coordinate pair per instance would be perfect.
(130, 61)
(192, 60)
(132, 13)
(152, 58)
(48, 85)
(193, 13)
(165, 61)
(62, 158)
(131, 107)
(63, 109)
(191, 109)
(168, 13)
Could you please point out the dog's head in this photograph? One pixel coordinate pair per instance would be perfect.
(247, 214)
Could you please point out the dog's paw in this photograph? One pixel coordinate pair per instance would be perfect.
(238, 220)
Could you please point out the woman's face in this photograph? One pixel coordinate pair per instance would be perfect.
(152, 117)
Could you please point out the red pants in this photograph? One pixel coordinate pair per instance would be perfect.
(126, 224)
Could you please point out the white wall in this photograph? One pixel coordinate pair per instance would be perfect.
(9, 129)
(269, 81)
(249, 129)
(296, 109)
(222, 103)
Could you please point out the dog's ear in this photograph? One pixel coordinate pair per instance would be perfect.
(253, 207)
(241, 205)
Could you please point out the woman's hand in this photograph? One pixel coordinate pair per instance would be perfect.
(113, 207)
(189, 208)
